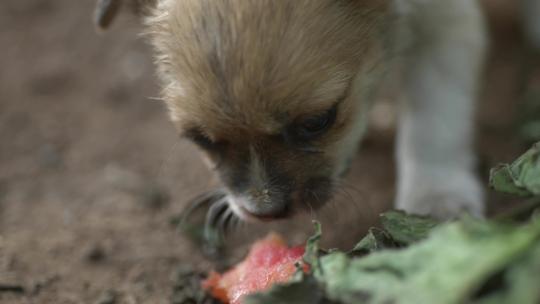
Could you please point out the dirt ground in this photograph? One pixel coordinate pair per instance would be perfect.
(91, 171)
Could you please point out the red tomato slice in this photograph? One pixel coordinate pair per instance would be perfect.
(269, 261)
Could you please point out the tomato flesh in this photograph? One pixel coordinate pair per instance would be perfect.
(269, 261)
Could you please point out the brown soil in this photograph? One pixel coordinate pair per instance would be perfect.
(91, 171)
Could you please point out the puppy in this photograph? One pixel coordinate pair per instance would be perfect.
(276, 93)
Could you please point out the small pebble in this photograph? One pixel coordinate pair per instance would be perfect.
(49, 156)
(153, 197)
(95, 254)
(108, 297)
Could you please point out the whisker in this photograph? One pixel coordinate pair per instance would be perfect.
(217, 210)
(332, 205)
(349, 198)
(359, 207)
(312, 214)
(220, 217)
(163, 165)
(340, 193)
(352, 187)
(234, 224)
(225, 220)
(366, 201)
(211, 233)
(334, 209)
(160, 99)
(205, 200)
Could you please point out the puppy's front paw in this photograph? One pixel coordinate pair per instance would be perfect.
(457, 196)
(444, 206)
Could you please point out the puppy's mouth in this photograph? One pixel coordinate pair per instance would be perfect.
(225, 210)
(237, 206)
(311, 197)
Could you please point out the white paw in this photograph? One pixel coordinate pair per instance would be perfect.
(460, 193)
(444, 206)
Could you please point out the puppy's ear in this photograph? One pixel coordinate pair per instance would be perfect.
(107, 10)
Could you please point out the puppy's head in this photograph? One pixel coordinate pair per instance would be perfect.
(271, 91)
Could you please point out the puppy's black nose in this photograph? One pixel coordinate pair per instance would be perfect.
(265, 203)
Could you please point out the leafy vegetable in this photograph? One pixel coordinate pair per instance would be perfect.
(522, 177)
(448, 267)
(407, 229)
(376, 239)
(519, 283)
(414, 259)
(312, 247)
(399, 229)
(458, 262)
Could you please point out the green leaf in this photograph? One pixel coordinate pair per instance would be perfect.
(376, 239)
(522, 177)
(449, 267)
(519, 284)
(407, 229)
(311, 255)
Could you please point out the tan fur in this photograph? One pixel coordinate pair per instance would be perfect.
(252, 64)
(241, 71)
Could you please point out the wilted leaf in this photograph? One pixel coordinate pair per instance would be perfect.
(522, 177)
(520, 282)
(407, 229)
(375, 240)
(448, 267)
(311, 255)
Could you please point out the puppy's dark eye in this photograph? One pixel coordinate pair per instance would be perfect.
(312, 127)
(201, 139)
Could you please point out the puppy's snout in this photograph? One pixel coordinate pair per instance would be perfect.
(267, 203)
(262, 195)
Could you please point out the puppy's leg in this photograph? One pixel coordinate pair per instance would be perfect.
(435, 157)
(531, 19)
